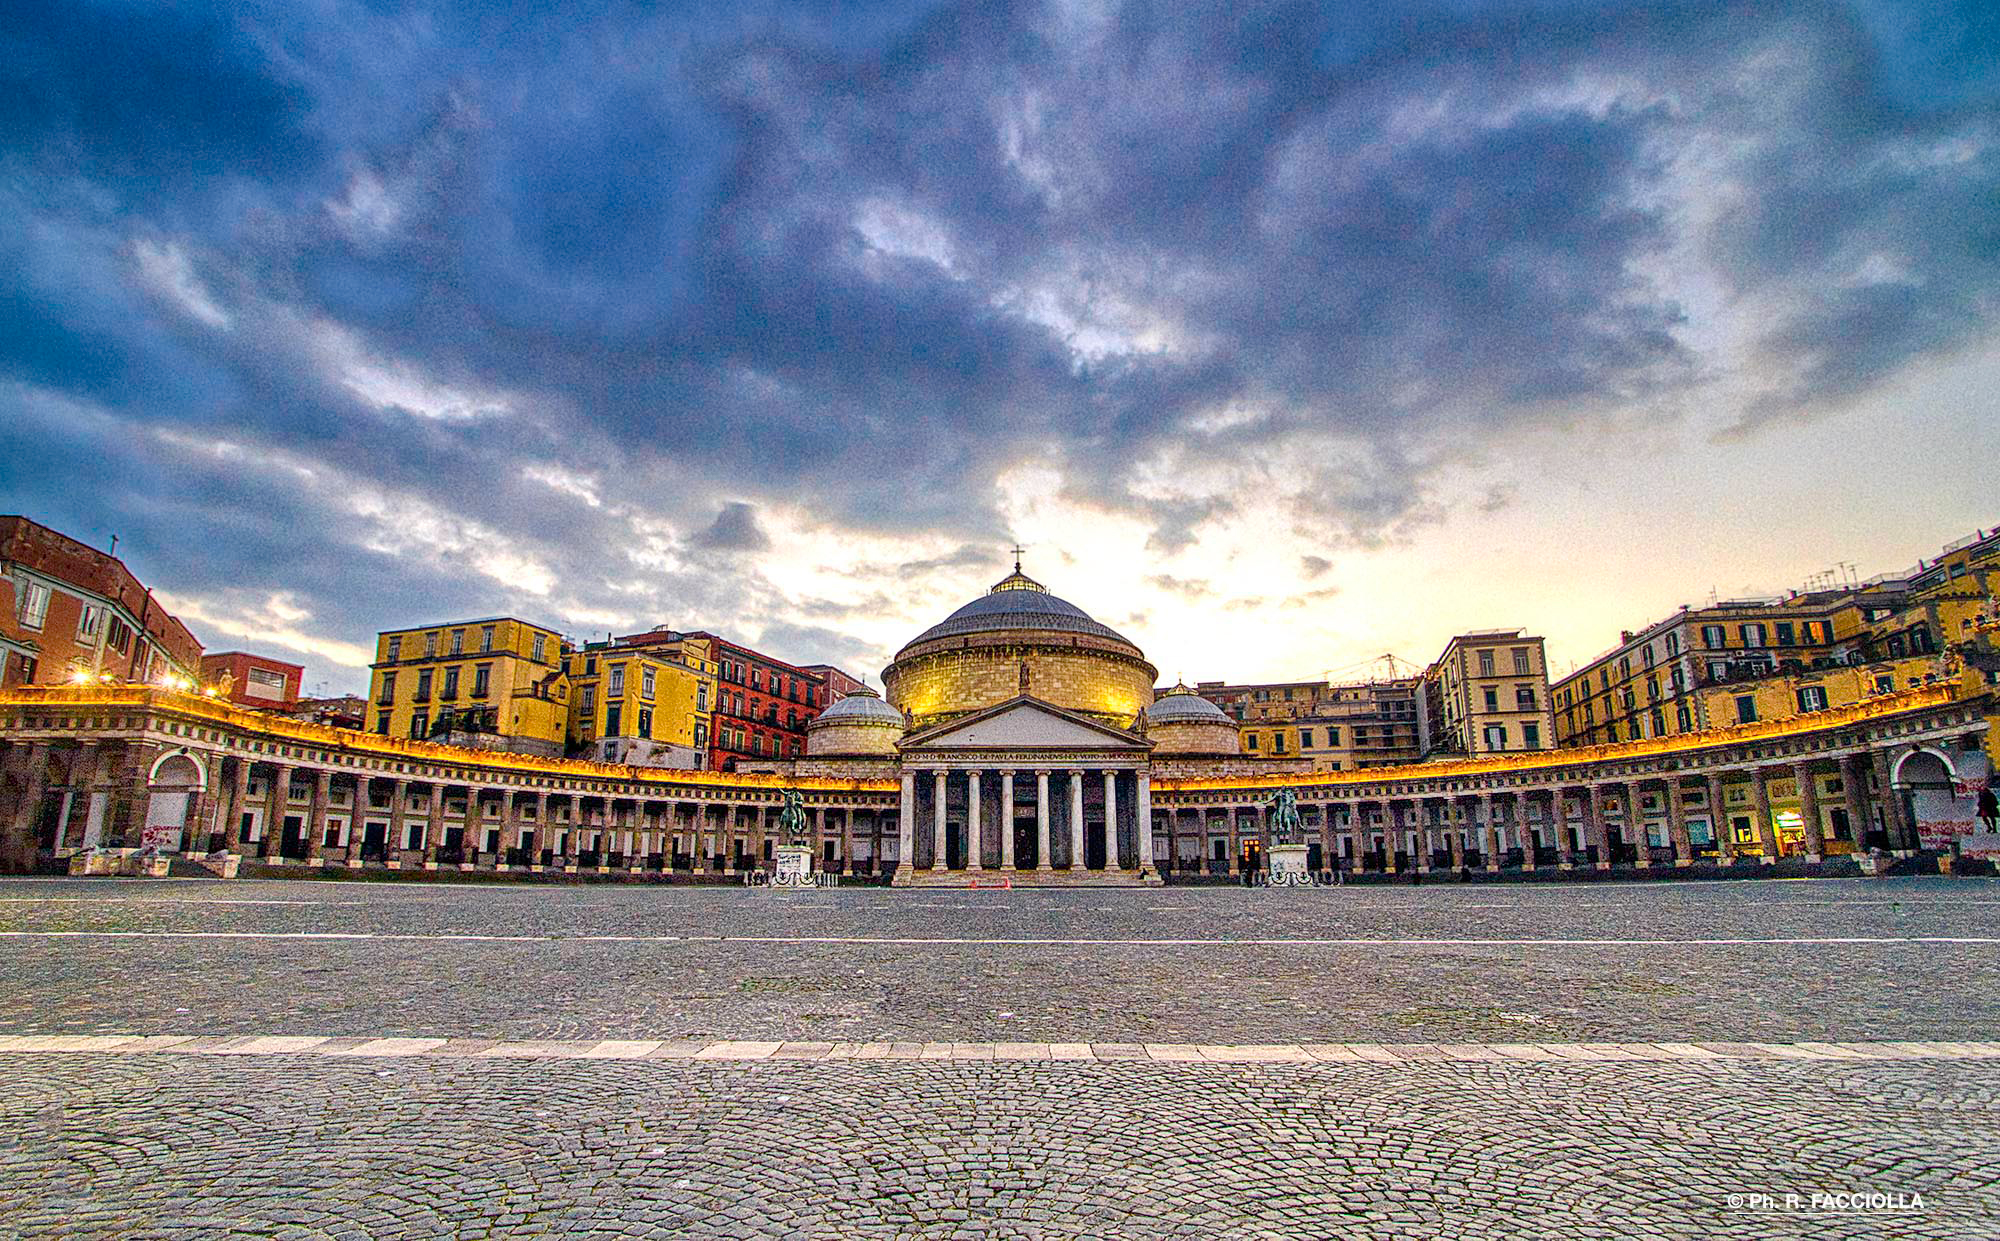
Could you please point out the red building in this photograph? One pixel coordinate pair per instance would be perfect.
(838, 683)
(762, 705)
(69, 611)
(253, 680)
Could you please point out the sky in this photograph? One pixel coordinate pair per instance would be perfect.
(1283, 336)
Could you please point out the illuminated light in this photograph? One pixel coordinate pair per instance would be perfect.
(82, 676)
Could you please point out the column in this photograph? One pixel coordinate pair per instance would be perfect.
(974, 846)
(1760, 803)
(1041, 820)
(937, 821)
(906, 823)
(1111, 821)
(19, 841)
(1389, 833)
(1677, 829)
(434, 825)
(399, 794)
(758, 834)
(239, 796)
(1328, 859)
(1492, 837)
(1809, 812)
(1635, 824)
(1522, 803)
(1144, 858)
(725, 841)
(1718, 821)
(819, 834)
(1901, 840)
(1454, 814)
(1357, 835)
(322, 796)
(1853, 785)
(1007, 820)
(1075, 820)
(1594, 834)
(1559, 822)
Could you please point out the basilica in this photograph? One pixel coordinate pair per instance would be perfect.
(1017, 741)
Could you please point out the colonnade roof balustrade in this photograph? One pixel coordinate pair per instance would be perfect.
(1529, 762)
(260, 724)
(202, 707)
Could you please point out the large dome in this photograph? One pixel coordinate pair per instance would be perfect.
(1182, 705)
(1017, 601)
(1016, 639)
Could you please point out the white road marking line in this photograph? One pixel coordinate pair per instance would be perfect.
(1825, 941)
(739, 1050)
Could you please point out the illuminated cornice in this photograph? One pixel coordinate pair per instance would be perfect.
(277, 727)
(1897, 703)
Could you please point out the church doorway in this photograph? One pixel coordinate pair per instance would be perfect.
(1252, 859)
(954, 846)
(1093, 846)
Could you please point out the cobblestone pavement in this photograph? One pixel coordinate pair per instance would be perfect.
(290, 1139)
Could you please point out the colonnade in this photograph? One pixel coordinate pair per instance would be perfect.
(976, 819)
(1566, 824)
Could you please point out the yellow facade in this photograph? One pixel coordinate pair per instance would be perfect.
(1098, 682)
(1488, 693)
(1783, 697)
(641, 694)
(497, 678)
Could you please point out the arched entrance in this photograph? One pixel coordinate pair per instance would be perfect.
(1928, 783)
(171, 792)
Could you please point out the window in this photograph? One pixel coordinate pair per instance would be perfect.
(1647, 655)
(482, 676)
(616, 689)
(1486, 663)
(611, 720)
(1250, 740)
(451, 683)
(541, 646)
(420, 725)
(1624, 666)
(1784, 633)
(701, 697)
(1718, 670)
(1305, 738)
(1673, 644)
(645, 721)
(388, 693)
(1711, 637)
(1496, 736)
(701, 734)
(382, 722)
(1277, 741)
(430, 645)
(1753, 635)
(1884, 683)
(1524, 698)
(1746, 708)
(395, 651)
(1492, 699)
(589, 700)
(90, 620)
(1812, 698)
(118, 636)
(1520, 661)
(485, 638)
(1659, 722)
(1683, 718)
(1531, 736)
(458, 641)
(646, 682)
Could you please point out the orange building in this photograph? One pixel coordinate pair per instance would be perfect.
(70, 612)
(252, 680)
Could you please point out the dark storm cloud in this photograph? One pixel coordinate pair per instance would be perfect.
(597, 285)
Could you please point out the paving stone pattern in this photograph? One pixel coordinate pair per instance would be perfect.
(658, 1084)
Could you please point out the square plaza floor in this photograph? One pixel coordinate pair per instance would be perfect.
(398, 1059)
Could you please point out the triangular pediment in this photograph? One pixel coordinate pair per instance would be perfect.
(1022, 724)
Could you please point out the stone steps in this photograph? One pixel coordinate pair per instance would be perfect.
(1027, 878)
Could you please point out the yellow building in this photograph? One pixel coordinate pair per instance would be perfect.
(648, 705)
(1334, 726)
(1488, 693)
(1709, 667)
(496, 683)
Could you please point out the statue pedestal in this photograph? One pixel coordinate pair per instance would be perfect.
(1288, 865)
(793, 866)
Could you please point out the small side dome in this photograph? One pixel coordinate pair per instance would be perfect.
(860, 706)
(1181, 705)
(859, 724)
